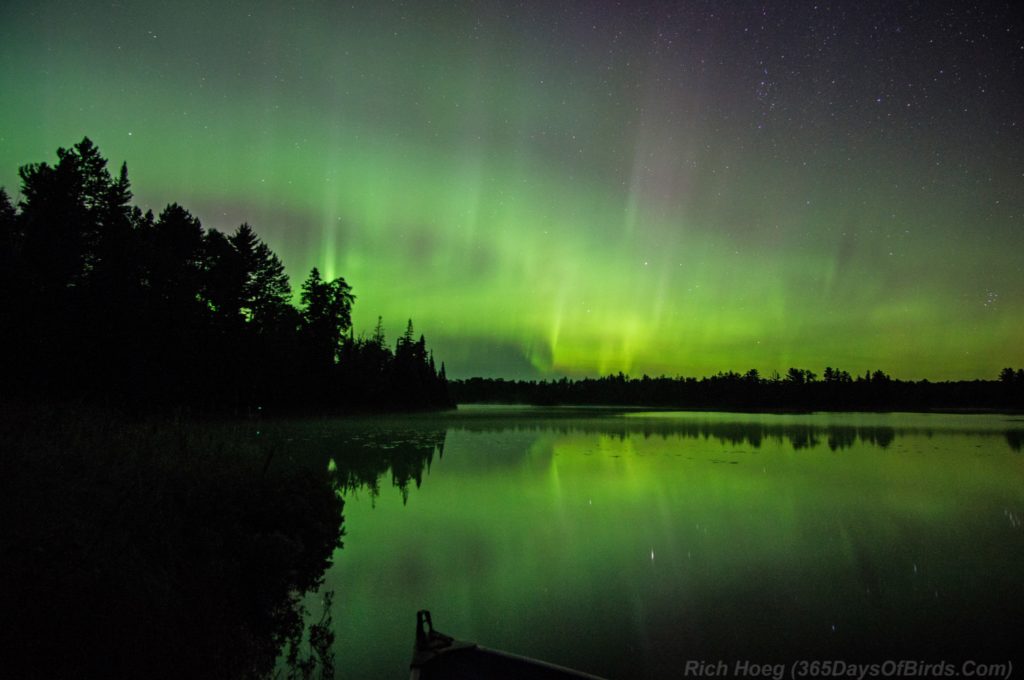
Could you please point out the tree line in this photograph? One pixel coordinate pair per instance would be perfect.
(105, 302)
(798, 389)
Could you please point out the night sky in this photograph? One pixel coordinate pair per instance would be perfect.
(579, 188)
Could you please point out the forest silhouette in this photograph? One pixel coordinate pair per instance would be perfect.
(799, 390)
(107, 303)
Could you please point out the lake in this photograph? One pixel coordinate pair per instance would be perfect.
(628, 543)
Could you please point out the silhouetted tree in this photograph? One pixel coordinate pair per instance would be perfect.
(176, 260)
(265, 291)
(100, 299)
(10, 239)
(223, 278)
(73, 286)
(326, 314)
(7, 216)
(59, 231)
(114, 258)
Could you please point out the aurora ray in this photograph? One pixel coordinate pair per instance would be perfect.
(579, 188)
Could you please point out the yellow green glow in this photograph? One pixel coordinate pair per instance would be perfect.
(532, 214)
(757, 550)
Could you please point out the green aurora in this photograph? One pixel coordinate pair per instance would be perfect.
(565, 188)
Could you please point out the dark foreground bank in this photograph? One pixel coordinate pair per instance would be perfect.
(158, 548)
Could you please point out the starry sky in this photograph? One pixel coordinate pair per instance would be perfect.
(576, 188)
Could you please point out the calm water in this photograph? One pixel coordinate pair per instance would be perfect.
(627, 544)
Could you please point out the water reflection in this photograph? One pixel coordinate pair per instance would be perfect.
(174, 549)
(731, 429)
(361, 453)
(626, 544)
(620, 542)
(160, 549)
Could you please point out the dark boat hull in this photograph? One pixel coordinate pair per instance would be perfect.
(439, 657)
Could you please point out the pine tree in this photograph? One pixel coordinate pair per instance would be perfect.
(10, 237)
(265, 291)
(326, 314)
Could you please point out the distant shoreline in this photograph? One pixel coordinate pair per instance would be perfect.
(800, 391)
(767, 411)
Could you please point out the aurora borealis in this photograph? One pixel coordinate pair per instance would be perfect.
(579, 188)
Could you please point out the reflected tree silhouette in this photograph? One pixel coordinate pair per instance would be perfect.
(164, 548)
(796, 436)
(155, 550)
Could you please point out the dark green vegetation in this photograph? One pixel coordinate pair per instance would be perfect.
(105, 302)
(799, 389)
(162, 548)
